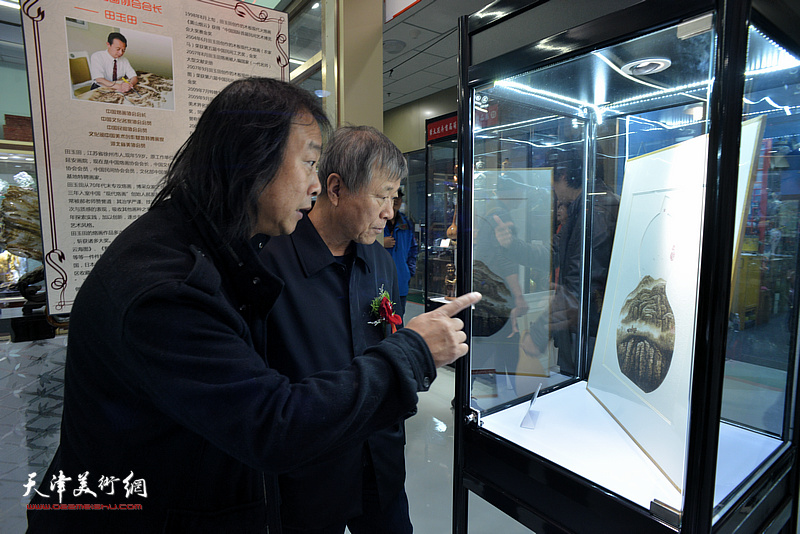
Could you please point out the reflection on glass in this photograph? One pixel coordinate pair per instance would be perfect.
(20, 233)
(763, 324)
(305, 34)
(527, 258)
(550, 148)
(313, 83)
(415, 210)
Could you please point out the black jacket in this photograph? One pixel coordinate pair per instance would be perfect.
(320, 321)
(166, 379)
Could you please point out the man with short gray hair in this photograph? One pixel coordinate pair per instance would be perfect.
(327, 315)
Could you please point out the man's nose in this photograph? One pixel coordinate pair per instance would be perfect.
(314, 187)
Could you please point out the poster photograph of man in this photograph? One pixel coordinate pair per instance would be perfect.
(119, 66)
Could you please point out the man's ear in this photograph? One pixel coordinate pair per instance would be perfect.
(335, 187)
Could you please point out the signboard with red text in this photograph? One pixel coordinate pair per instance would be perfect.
(101, 147)
(439, 127)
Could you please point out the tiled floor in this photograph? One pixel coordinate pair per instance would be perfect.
(429, 465)
(31, 387)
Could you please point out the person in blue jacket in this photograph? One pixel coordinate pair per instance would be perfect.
(172, 409)
(399, 240)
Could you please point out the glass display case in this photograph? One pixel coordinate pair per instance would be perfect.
(414, 207)
(630, 214)
(20, 232)
(441, 209)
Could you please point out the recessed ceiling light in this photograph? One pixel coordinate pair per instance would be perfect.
(651, 65)
(393, 46)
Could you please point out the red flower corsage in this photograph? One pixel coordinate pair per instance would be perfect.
(383, 309)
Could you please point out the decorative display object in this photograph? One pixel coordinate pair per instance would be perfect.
(450, 282)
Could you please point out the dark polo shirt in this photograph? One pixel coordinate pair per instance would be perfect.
(320, 322)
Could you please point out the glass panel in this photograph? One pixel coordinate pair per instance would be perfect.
(313, 83)
(20, 234)
(414, 208)
(762, 335)
(588, 179)
(441, 223)
(20, 237)
(305, 34)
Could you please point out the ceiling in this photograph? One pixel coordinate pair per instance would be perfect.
(419, 53)
(420, 50)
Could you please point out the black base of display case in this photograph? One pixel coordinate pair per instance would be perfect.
(547, 498)
(563, 501)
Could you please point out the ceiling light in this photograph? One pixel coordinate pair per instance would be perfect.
(641, 67)
(393, 46)
(315, 6)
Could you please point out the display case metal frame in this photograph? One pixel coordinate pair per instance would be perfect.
(541, 494)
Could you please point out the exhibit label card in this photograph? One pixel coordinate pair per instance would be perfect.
(101, 152)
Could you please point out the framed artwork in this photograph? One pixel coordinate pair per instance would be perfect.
(642, 365)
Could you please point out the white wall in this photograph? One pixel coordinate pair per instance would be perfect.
(405, 125)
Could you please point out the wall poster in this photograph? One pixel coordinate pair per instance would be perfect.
(642, 365)
(100, 152)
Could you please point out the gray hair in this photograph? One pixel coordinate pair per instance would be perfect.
(355, 153)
